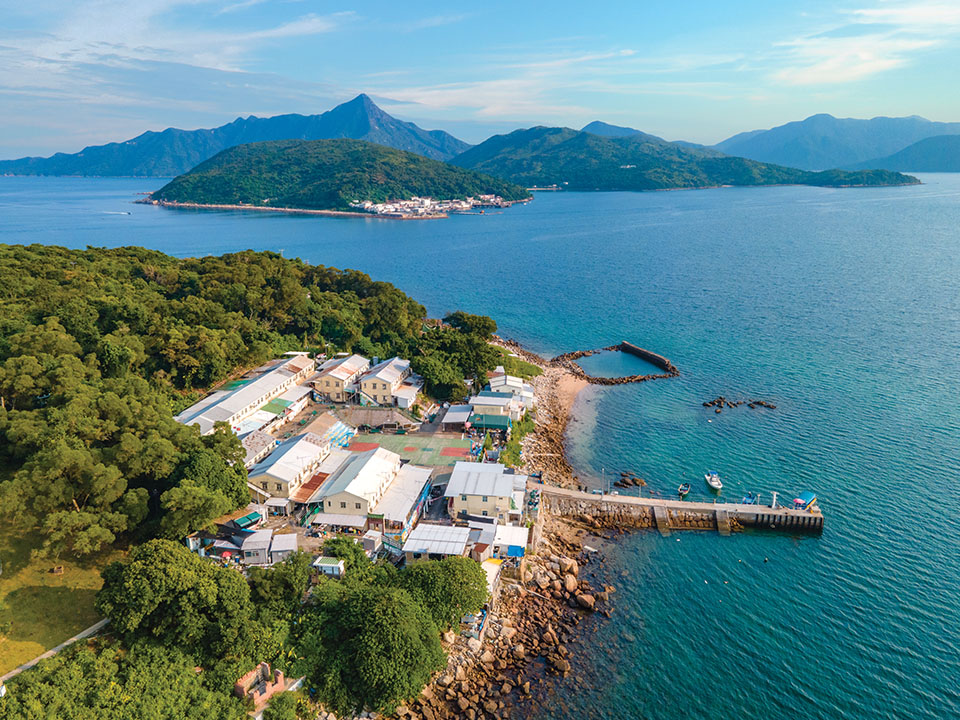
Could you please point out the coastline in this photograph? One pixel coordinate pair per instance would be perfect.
(289, 211)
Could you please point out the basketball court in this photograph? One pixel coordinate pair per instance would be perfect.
(430, 450)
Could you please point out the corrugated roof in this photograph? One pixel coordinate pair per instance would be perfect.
(364, 474)
(399, 499)
(469, 478)
(511, 535)
(458, 414)
(389, 371)
(325, 518)
(343, 368)
(281, 543)
(437, 539)
(491, 399)
(291, 457)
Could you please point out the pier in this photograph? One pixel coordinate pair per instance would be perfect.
(668, 516)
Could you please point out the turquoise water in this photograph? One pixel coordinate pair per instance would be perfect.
(842, 307)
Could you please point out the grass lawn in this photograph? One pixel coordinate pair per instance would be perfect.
(517, 367)
(43, 609)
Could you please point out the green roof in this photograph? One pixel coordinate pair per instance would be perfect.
(326, 561)
(490, 422)
(277, 406)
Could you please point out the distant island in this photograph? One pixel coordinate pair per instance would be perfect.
(544, 156)
(331, 175)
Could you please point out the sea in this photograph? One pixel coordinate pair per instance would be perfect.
(839, 306)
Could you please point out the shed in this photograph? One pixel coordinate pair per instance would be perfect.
(334, 567)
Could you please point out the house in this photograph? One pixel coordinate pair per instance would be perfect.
(488, 402)
(337, 377)
(402, 505)
(257, 445)
(288, 467)
(485, 490)
(456, 417)
(260, 684)
(510, 541)
(282, 547)
(391, 382)
(359, 483)
(256, 547)
(330, 566)
(435, 542)
(372, 542)
(245, 397)
(500, 382)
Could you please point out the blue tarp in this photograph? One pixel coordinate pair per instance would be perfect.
(515, 551)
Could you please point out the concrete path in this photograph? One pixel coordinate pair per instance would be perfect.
(92, 630)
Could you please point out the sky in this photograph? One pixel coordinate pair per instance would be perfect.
(83, 72)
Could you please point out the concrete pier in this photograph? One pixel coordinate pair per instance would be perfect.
(667, 516)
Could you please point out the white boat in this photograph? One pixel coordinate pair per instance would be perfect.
(713, 480)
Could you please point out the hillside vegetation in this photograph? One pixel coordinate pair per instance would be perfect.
(935, 154)
(582, 161)
(325, 175)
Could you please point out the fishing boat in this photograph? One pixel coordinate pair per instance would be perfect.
(713, 480)
(751, 499)
(683, 490)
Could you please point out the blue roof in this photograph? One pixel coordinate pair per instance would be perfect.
(515, 551)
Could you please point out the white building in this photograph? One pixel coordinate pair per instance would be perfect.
(291, 464)
(485, 490)
(434, 542)
(500, 382)
(233, 406)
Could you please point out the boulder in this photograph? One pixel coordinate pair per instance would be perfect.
(603, 596)
(569, 565)
(462, 703)
(487, 657)
(460, 673)
(570, 583)
(519, 651)
(449, 637)
(445, 680)
(507, 632)
(586, 601)
(490, 706)
(473, 644)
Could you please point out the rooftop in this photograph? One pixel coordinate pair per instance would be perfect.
(491, 399)
(257, 540)
(363, 474)
(458, 414)
(400, 497)
(437, 539)
(389, 371)
(511, 535)
(281, 543)
(343, 368)
(291, 457)
(469, 478)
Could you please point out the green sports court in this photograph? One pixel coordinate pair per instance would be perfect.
(419, 449)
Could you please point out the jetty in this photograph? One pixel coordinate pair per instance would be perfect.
(667, 515)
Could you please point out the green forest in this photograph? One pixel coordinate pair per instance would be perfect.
(582, 161)
(100, 348)
(326, 175)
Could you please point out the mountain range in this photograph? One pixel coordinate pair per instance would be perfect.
(577, 160)
(174, 151)
(822, 141)
(935, 154)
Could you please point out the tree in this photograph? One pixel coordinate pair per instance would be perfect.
(190, 507)
(352, 553)
(204, 467)
(480, 325)
(283, 706)
(276, 592)
(102, 681)
(368, 646)
(167, 593)
(447, 589)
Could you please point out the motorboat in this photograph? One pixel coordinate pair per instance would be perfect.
(713, 480)
(683, 490)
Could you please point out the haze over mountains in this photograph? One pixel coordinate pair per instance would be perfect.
(935, 154)
(822, 141)
(573, 160)
(174, 151)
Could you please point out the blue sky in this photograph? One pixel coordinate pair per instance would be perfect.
(79, 72)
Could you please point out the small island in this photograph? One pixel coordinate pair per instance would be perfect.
(335, 177)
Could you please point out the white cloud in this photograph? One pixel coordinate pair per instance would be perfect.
(865, 42)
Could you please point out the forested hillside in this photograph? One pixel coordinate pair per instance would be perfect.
(100, 347)
(326, 175)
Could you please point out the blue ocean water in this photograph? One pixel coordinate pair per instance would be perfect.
(842, 307)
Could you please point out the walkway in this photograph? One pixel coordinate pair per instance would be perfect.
(92, 630)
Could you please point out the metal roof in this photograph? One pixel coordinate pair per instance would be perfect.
(496, 422)
(364, 474)
(257, 540)
(400, 497)
(492, 399)
(281, 543)
(470, 478)
(511, 535)
(389, 371)
(343, 368)
(291, 457)
(437, 539)
(344, 520)
(458, 414)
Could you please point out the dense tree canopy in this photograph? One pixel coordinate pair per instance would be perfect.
(447, 589)
(106, 682)
(368, 646)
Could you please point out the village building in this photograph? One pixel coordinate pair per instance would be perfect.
(487, 402)
(257, 445)
(485, 490)
(435, 542)
(336, 380)
(243, 398)
(391, 382)
(330, 566)
(510, 541)
(274, 480)
(456, 418)
(401, 506)
(522, 392)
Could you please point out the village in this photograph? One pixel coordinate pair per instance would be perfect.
(428, 207)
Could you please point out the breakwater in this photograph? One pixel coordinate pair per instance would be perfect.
(669, 515)
(568, 361)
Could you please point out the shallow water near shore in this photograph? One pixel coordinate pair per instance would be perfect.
(841, 307)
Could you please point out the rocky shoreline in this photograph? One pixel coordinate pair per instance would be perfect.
(528, 640)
